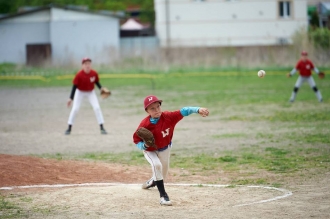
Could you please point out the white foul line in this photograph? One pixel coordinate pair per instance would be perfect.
(286, 193)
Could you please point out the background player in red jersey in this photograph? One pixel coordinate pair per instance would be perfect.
(83, 87)
(305, 67)
(162, 125)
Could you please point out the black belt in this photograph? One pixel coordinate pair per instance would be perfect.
(164, 148)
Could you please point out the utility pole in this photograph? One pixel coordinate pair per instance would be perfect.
(168, 29)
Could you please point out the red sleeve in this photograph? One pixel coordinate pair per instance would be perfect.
(298, 65)
(174, 116)
(76, 79)
(96, 76)
(311, 63)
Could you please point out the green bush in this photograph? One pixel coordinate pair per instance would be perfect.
(320, 37)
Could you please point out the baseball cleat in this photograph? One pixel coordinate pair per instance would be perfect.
(150, 183)
(67, 132)
(103, 132)
(165, 200)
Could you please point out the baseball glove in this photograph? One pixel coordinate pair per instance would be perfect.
(147, 137)
(105, 92)
(321, 75)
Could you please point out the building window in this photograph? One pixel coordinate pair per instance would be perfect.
(285, 9)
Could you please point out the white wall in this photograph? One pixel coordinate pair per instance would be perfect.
(72, 35)
(227, 23)
(15, 37)
(75, 35)
(17, 32)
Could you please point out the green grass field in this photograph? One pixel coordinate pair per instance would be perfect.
(297, 144)
(231, 96)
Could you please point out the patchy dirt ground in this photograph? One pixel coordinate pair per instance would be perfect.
(33, 121)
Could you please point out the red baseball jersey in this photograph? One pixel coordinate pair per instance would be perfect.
(305, 67)
(85, 82)
(163, 130)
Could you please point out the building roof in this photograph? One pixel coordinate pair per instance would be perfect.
(131, 24)
(68, 7)
(325, 8)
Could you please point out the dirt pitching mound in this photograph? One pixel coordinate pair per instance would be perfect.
(26, 170)
(76, 189)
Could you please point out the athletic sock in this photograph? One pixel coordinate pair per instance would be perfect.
(318, 95)
(161, 188)
(101, 126)
(69, 127)
(293, 96)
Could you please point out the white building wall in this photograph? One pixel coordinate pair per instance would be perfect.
(75, 35)
(17, 32)
(226, 23)
(72, 35)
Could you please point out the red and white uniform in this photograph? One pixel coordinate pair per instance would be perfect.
(163, 130)
(305, 67)
(85, 89)
(85, 82)
(163, 133)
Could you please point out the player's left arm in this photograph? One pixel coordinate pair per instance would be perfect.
(313, 67)
(98, 85)
(97, 81)
(140, 145)
(186, 111)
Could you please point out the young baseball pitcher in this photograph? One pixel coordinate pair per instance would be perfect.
(83, 87)
(161, 125)
(305, 67)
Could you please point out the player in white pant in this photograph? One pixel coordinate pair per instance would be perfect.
(161, 124)
(83, 87)
(305, 67)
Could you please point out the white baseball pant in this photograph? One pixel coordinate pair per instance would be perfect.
(311, 82)
(302, 79)
(92, 98)
(160, 162)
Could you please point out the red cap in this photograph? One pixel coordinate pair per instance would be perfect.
(85, 60)
(151, 99)
(304, 53)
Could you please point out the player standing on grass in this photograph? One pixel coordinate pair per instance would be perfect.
(83, 87)
(162, 125)
(305, 67)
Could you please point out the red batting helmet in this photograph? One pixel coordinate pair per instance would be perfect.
(85, 60)
(151, 99)
(304, 53)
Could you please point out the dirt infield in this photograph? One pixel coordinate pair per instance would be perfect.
(33, 121)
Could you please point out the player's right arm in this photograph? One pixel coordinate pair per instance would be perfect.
(73, 91)
(74, 88)
(186, 111)
(294, 70)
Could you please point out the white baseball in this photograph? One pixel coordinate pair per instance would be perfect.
(261, 73)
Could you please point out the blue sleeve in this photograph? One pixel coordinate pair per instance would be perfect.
(186, 111)
(140, 145)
